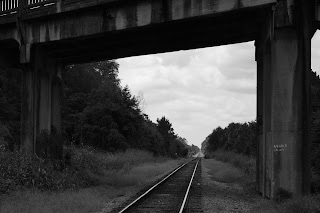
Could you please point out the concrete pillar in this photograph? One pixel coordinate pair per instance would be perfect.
(56, 99)
(260, 150)
(40, 102)
(267, 139)
(27, 110)
(290, 110)
(286, 58)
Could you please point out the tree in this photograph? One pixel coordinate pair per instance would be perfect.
(167, 132)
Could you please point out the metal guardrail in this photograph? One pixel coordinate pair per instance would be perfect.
(8, 7)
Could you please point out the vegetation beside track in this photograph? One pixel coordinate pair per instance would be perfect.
(86, 183)
(231, 167)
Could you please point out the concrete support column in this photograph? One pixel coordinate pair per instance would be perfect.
(267, 143)
(40, 102)
(56, 95)
(260, 150)
(27, 110)
(290, 110)
(286, 59)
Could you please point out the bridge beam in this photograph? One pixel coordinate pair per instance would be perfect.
(41, 94)
(284, 64)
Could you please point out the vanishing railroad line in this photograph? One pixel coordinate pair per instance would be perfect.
(178, 192)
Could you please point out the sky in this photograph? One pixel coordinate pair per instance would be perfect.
(198, 90)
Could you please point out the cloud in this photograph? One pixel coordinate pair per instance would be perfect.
(197, 90)
(315, 52)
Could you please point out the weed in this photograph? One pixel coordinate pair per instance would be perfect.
(244, 163)
(119, 178)
(223, 172)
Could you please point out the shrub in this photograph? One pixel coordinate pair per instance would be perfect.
(245, 163)
(209, 155)
(223, 172)
(315, 183)
(282, 195)
(18, 170)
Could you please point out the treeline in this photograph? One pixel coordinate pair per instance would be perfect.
(237, 137)
(99, 112)
(96, 111)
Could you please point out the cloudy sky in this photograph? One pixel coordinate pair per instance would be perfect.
(199, 90)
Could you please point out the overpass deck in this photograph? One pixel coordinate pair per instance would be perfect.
(70, 27)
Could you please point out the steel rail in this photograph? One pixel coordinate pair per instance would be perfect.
(153, 187)
(188, 189)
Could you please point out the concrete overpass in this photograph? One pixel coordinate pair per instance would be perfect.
(40, 36)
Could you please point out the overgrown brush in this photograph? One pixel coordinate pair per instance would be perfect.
(223, 172)
(124, 160)
(245, 163)
(81, 167)
(20, 171)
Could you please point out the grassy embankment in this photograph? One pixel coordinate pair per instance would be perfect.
(85, 183)
(233, 167)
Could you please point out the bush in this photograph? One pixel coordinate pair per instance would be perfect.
(209, 155)
(244, 163)
(223, 172)
(282, 195)
(18, 170)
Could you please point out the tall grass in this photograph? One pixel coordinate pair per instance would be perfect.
(83, 167)
(306, 204)
(131, 157)
(223, 172)
(244, 163)
(107, 175)
(139, 174)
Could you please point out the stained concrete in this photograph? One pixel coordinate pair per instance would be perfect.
(284, 145)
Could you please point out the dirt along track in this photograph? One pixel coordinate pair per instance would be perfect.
(181, 192)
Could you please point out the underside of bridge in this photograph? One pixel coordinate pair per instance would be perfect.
(71, 33)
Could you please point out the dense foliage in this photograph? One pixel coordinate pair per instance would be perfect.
(237, 137)
(19, 170)
(98, 112)
(10, 106)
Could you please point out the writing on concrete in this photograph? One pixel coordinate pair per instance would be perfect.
(279, 147)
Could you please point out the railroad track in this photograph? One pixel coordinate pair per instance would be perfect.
(178, 192)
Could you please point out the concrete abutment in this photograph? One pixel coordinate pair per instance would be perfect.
(41, 101)
(283, 54)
